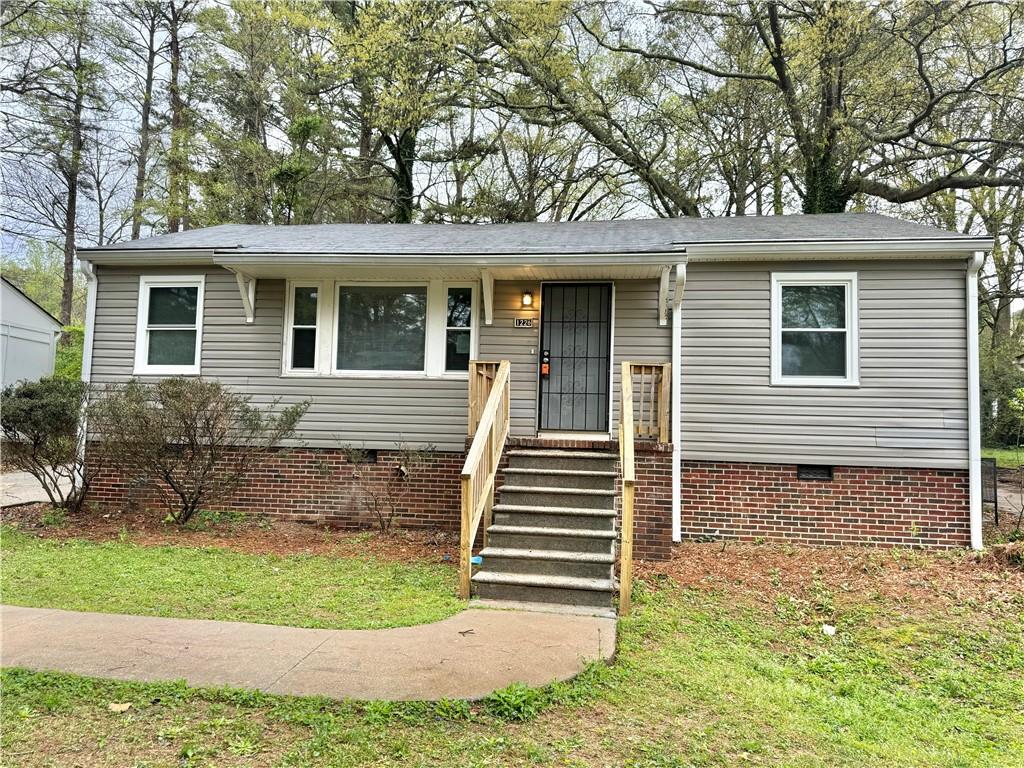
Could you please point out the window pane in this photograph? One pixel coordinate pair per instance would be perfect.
(456, 357)
(173, 305)
(172, 348)
(813, 306)
(460, 304)
(381, 328)
(303, 347)
(811, 353)
(305, 306)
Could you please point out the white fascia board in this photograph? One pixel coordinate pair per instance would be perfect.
(952, 248)
(148, 257)
(240, 261)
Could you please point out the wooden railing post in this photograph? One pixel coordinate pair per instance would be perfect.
(627, 461)
(489, 394)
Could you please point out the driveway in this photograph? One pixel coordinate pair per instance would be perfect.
(21, 488)
(463, 657)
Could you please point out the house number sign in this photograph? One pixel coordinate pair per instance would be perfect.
(524, 322)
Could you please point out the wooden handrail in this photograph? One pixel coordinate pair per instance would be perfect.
(481, 380)
(627, 462)
(481, 465)
(650, 401)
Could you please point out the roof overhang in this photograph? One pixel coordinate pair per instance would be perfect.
(524, 265)
(823, 250)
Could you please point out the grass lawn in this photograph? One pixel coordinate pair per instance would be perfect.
(724, 663)
(1006, 458)
(216, 583)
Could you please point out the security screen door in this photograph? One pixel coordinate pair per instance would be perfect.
(576, 332)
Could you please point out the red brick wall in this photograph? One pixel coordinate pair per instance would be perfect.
(318, 486)
(906, 507)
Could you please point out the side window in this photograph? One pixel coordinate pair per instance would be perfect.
(305, 304)
(814, 329)
(458, 329)
(169, 332)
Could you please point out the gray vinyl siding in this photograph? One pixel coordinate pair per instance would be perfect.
(370, 412)
(636, 336)
(909, 410)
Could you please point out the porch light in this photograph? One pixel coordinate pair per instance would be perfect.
(527, 298)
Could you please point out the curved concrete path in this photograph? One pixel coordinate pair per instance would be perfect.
(464, 657)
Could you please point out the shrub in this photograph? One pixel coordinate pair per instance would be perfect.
(196, 437)
(382, 491)
(43, 433)
(68, 362)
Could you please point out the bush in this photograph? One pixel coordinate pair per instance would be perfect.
(44, 435)
(195, 437)
(68, 362)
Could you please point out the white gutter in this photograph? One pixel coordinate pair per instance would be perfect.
(677, 402)
(974, 399)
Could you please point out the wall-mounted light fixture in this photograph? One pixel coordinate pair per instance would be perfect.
(527, 298)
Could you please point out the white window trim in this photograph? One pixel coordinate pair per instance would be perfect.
(142, 367)
(289, 314)
(327, 330)
(849, 281)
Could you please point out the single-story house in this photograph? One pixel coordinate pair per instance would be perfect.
(28, 336)
(809, 378)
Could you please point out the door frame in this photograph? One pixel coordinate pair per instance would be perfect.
(568, 434)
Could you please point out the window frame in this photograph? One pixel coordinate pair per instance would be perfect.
(146, 283)
(327, 329)
(848, 280)
(289, 326)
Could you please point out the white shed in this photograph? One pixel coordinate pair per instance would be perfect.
(29, 337)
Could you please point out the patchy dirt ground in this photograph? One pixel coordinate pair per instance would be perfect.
(246, 534)
(765, 573)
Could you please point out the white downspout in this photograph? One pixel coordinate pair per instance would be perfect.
(89, 272)
(677, 402)
(90, 318)
(974, 399)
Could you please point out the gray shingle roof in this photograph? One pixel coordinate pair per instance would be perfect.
(620, 236)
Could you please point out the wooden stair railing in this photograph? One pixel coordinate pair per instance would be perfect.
(489, 424)
(651, 400)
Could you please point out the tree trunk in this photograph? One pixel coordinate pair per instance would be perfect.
(71, 179)
(176, 165)
(404, 153)
(142, 160)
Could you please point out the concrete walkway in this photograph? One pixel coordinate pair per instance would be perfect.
(464, 657)
(22, 488)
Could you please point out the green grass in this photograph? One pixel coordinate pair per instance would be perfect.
(701, 679)
(1007, 458)
(298, 590)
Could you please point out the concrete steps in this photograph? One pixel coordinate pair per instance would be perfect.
(553, 536)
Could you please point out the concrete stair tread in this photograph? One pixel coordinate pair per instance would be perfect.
(548, 489)
(559, 472)
(531, 530)
(548, 554)
(540, 510)
(554, 453)
(556, 582)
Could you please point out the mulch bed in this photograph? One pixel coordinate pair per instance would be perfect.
(765, 572)
(250, 535)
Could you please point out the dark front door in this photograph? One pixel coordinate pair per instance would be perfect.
(575, 337)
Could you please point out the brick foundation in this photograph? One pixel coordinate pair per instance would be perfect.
(906, 507)
(317, 486)
(860, 505)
